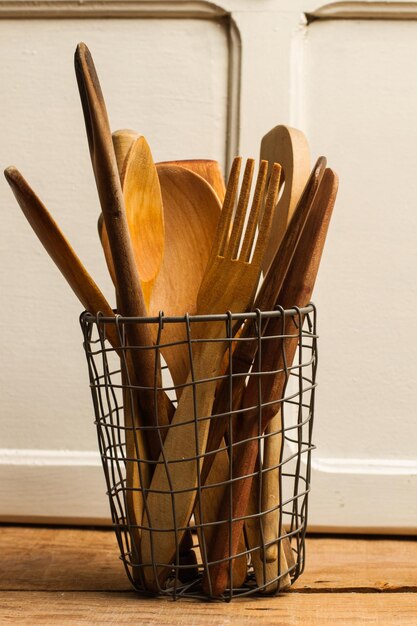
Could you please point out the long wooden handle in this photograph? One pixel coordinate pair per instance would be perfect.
(60, 250)
(146, 368)
(297, 290)
(289, 147)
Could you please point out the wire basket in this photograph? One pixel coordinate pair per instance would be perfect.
(244, 461)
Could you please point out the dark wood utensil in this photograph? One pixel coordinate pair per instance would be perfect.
(60, 250)
(146, 374)
(296, 291)
(265, 301)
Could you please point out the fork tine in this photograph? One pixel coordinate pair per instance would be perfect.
(270, 204)
(226, 215)
(257, 202)
(240, 215)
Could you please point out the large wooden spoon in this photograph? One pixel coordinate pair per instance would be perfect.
(191, 214)
(192, 211)
(207, 169)
(144, 211)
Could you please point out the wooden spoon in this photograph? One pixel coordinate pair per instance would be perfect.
(229, 283)
(207, 169)
(296, 291)
(144, 211)
(192, 212)
(289, 147)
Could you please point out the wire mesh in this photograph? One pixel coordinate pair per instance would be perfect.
(239, 456)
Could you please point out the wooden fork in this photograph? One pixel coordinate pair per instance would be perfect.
(229, 284)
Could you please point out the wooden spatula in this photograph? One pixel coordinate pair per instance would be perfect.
(229, 284)
(289, 147)
(155, 411)
(296, 290)
(60, 250)
(90, 296)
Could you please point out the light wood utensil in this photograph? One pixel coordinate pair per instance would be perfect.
(229, 283)
(144, 210)
(289, 147)
(154, 412)
(123, 141)
(296, 291)
(207, 169)
(192, 212)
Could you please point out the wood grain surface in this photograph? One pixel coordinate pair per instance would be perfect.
(35, 558)
(73, 576)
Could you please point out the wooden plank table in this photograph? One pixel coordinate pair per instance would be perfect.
(73, 576)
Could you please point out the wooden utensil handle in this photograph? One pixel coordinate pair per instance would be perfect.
(296, 291)
(60, 250)
(146, 371)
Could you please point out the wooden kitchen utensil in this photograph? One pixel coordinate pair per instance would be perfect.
(60, 251)
(229, 283)
(154, 412)
(192, 212)
(207, 169)
(296, 291)
(144, 210)
(90, 296)
(123, 141)
(266, 300)
(289, 147)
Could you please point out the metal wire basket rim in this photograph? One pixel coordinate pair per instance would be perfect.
(215, 317)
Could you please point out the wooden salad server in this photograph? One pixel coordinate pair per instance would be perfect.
(229, 283)
(289, 147)
(296, 291)
(191, 214)
(244, 352)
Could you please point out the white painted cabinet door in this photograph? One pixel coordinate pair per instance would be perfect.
(200, 80)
